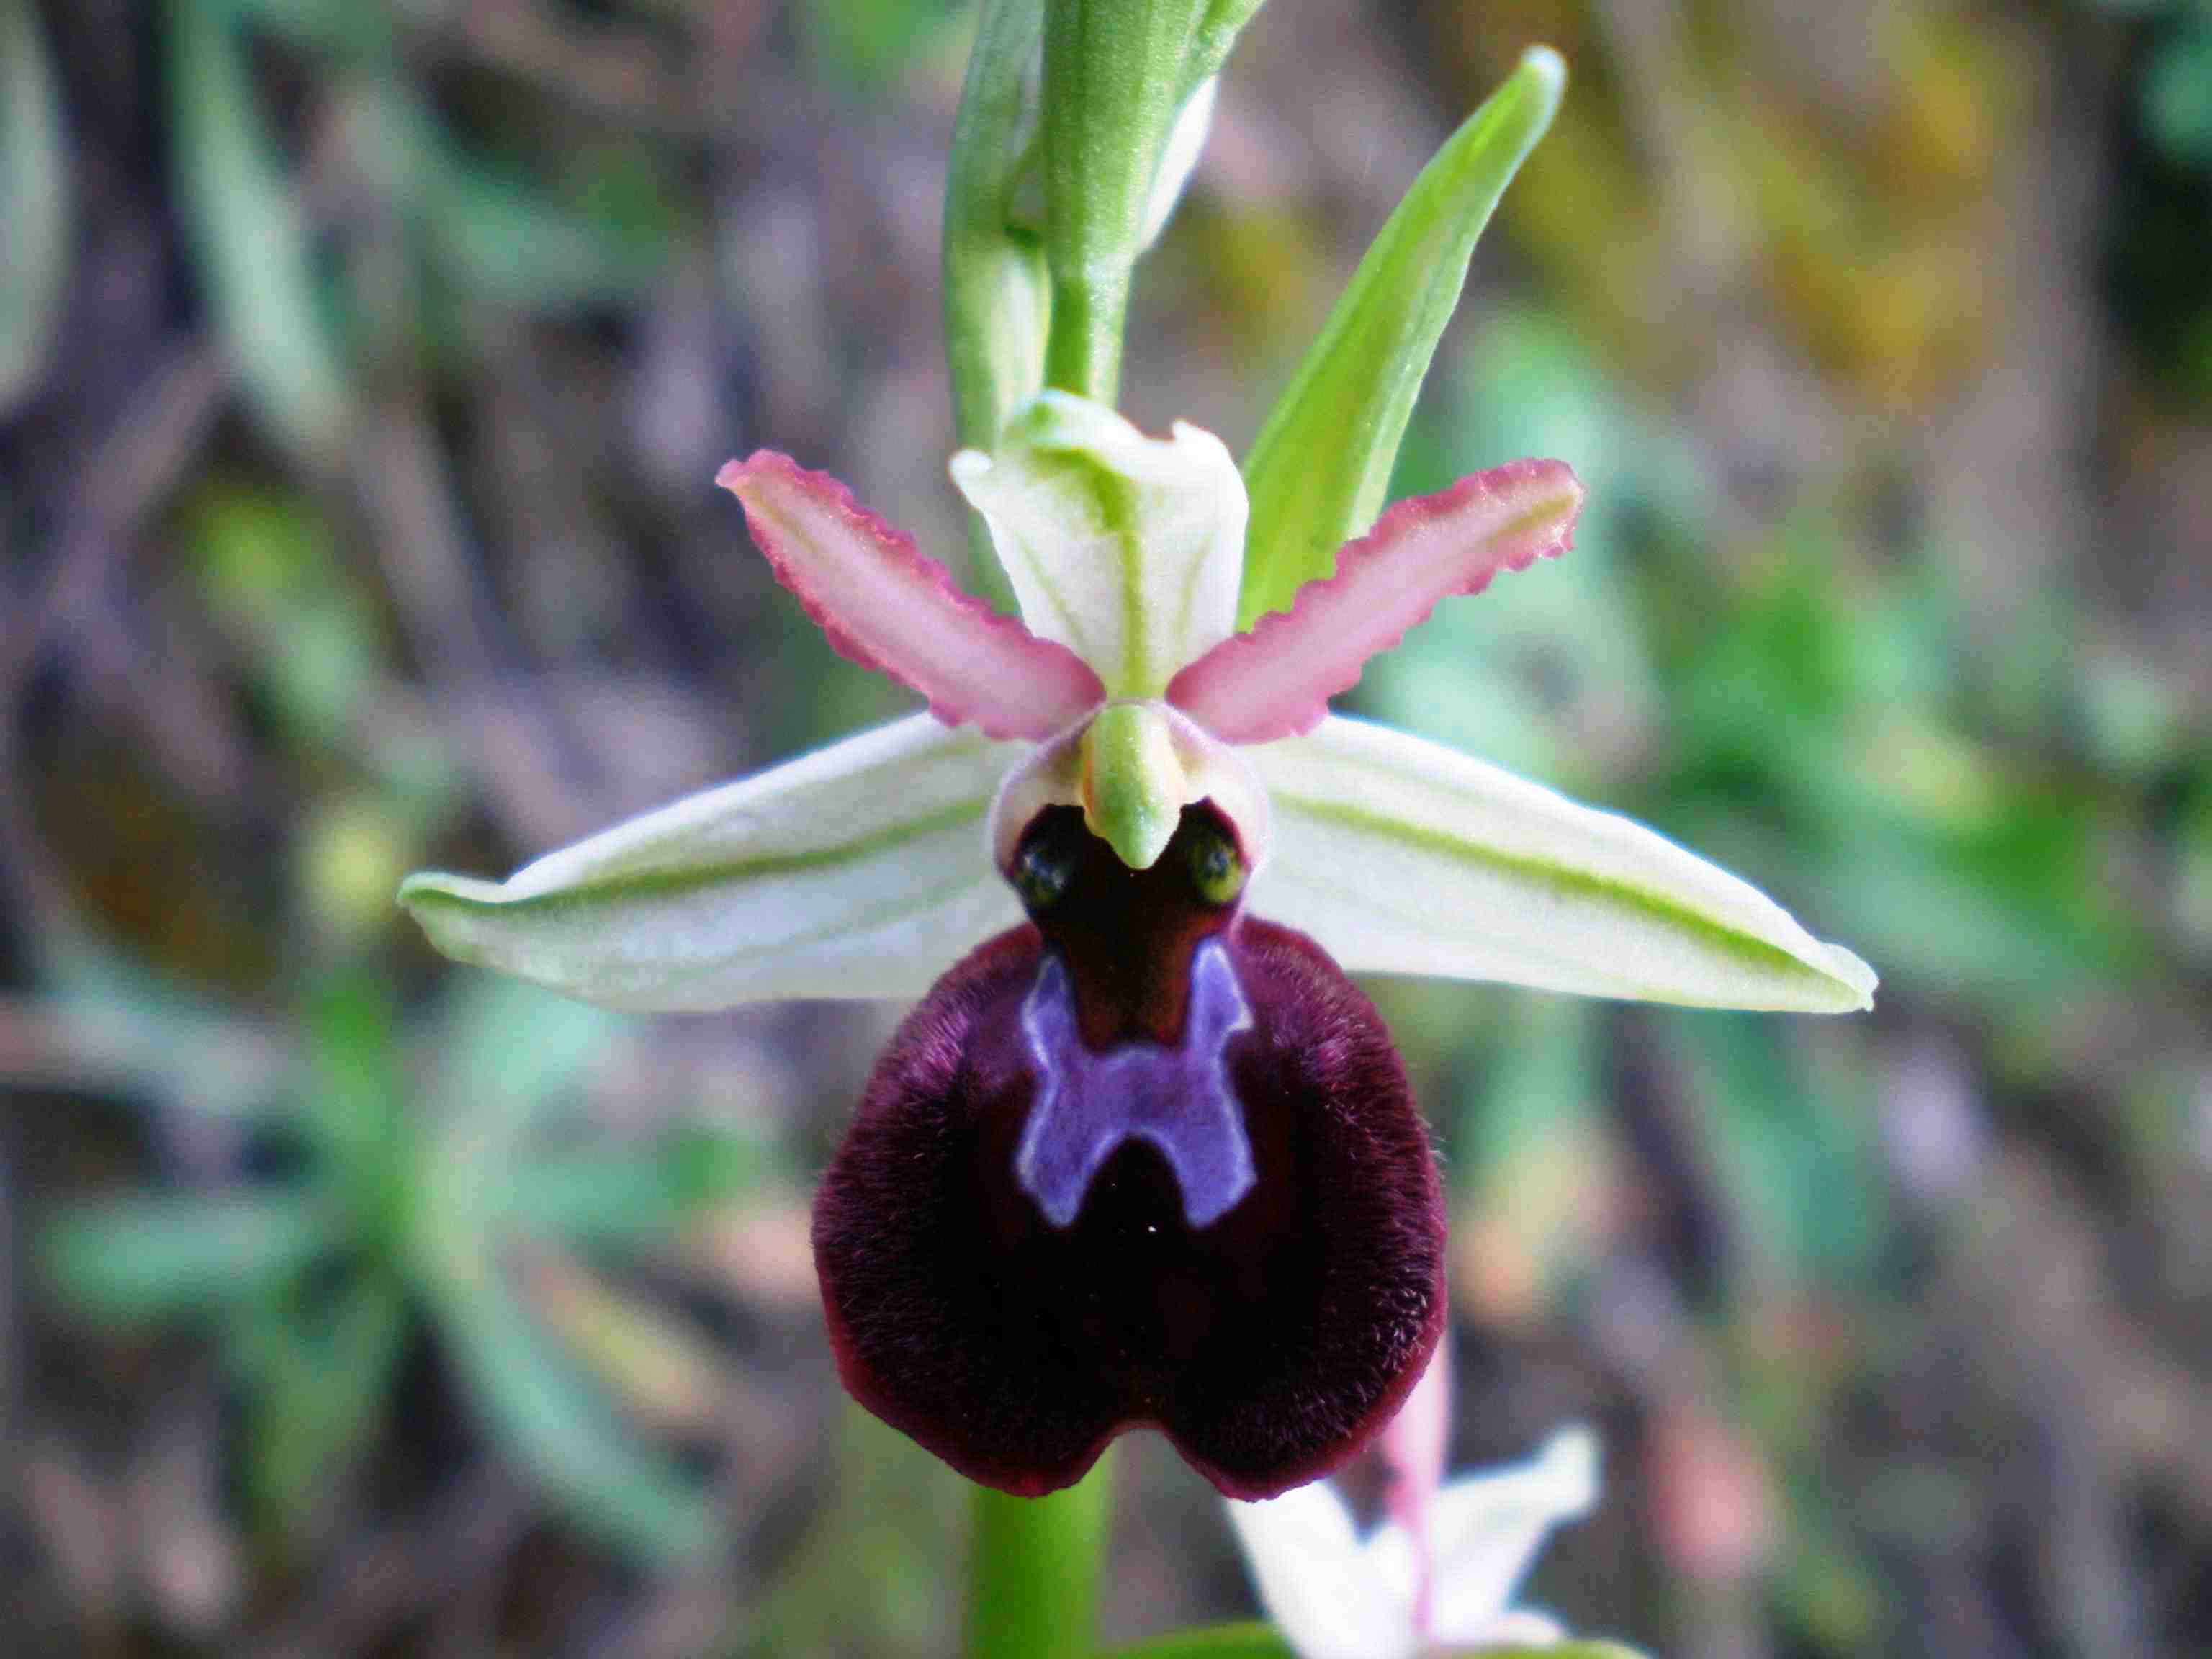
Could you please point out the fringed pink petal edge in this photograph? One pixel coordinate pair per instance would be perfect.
(884, 607)
(1275, 681)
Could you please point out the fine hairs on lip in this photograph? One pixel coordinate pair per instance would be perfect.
(1265, 1344)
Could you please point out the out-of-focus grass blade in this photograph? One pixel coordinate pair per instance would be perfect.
(627, 1195)
(34, 196)
(343, 28)
(317, 1380)
(178, 1049)
(355, 1104)
(1318, 470)
(248, 237)
(1797, 1160)
(867, 44)
(267, 563)
(662, 1369)
(507, 240)
(2177, 91)
(513, 1055)
(159, 1256)
(549, 1418)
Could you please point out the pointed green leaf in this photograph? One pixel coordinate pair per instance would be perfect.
(858, 871)
(1401, 856)
(1122, 547)
(1319, 468)
(997, 294)
(34, 203)
(247, 234)
(537, 1400)
(158, 1257)
(318, 1377)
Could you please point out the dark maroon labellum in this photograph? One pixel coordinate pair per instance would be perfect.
(1146, 1161)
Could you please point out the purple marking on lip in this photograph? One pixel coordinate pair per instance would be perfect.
(1179, 1098)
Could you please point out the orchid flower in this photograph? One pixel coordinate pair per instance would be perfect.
(1142, 1153)
(1334, 1594)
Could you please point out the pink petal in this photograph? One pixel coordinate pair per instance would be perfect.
(886, 607)
(1276, 680)
(1413, 1448)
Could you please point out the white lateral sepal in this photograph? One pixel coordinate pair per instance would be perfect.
(1399, 855)
(858, 871)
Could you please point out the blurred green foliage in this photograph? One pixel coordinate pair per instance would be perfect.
(404, 1207)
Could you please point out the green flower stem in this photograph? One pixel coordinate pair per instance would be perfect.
(1083, 352)
(1033, 1574)
(1113, 74)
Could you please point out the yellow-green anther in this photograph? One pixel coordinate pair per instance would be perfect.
(1317, 472)
(1133, 784)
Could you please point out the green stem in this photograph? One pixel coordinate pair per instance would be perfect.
(1033, 1574)
(1083, 353)
(1112, 76)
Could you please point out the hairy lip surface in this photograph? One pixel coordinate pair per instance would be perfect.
(1268, 1345)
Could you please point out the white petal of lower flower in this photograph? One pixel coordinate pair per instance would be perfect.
(1399, 855)
(1126, 548)
(858, 871)
(1512, 1631)
(1485, 1530)
(1315, 1580)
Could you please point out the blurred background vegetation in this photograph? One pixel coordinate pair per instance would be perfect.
(363, 373)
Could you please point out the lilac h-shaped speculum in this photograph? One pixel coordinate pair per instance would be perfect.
(1176, 1097)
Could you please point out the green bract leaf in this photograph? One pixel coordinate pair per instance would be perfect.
(156, 1257)
(1318, 470)
(858, 871)
(34, 185)
(1186, 139)
(997, 292)
(1124, 548)
(245, 231)
(1401, 856)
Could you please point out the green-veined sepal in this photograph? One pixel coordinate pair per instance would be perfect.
(1399, 855)
(858, 871)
